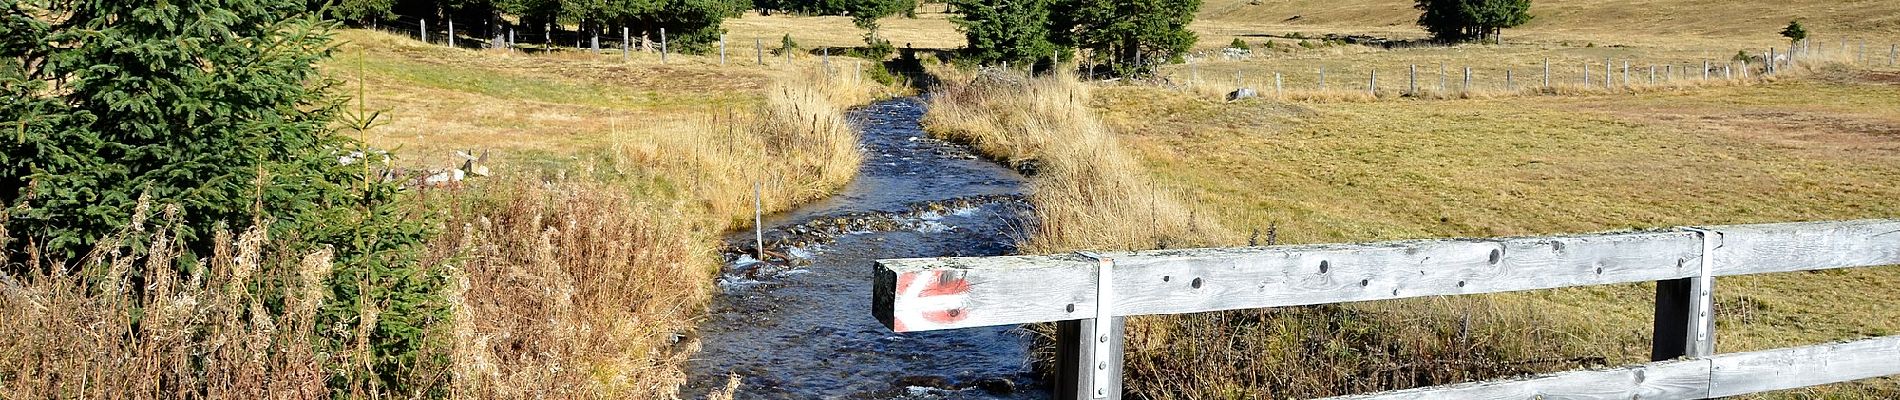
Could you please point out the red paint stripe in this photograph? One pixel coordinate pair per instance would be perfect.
(946, 288)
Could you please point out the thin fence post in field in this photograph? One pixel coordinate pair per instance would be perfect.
(663, 48)
(1626, 73)
(1586, 74)
(1322, 79)
(1547, 73)
(1278, 88)
(1412, 85)
(1510, 83)
(511, 39)
(1728, 71)
(547, 36)
(722, 49)
(827, 60)
(1705, 70)
(1467, 88)
(594, 43)
(1609, 80)
(1744, 69)
(626, 43)
(1372, 83)
(451, 32)
(758, 219)
(424, 30)
(1652, 74)
(758, 49)
(1893, 55)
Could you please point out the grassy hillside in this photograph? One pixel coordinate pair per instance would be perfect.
(583, 263)
(1651, 21)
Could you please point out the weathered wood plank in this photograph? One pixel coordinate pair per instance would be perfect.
(1722, 375)
(1761, 371)
(968, 292)
(1688, 379)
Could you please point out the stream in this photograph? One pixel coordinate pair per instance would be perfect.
(800, 327)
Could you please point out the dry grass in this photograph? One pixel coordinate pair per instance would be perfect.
(1819, 147)
(126, 324)
(1088, 191)
(1805, 149)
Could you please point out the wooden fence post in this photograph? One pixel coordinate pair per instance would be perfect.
(663, 49)
(1467, 87)
(594, 42)
(1547, 73)
(511, 39)
(1705, 70)
(1412, 86)
(1609, 80)
(1510, 84)
(1893, 55)
(626, 43)
(1652, 74)
(758, 47)
(1372, 83)
(1322, 79)
(1685, 308)
(451, 32)
(1586, 74)
(1626, 73)
(424, 30)
(1278, 88)
(722, 49)
(1075, 363)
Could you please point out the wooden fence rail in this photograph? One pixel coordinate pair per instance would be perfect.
(949, 293)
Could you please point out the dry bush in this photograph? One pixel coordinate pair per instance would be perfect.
(125, 323)
(570, 290)
(1089, 192)
(587, 289)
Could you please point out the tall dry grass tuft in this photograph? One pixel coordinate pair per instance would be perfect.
(125, 322)
(1088, 191)
(798, 144)
(570, 290)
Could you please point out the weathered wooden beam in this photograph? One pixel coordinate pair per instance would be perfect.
(1722, 375)
(1798, 367)
(947, 293)
(1687, 379)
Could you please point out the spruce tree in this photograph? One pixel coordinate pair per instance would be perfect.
(214, 108)
(1130, 36)
(1015, 31)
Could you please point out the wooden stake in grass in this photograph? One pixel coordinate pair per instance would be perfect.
(424, 30)
(1608, 80)
(1893, 55)
(1372, 83)
(1705, 70)
(758, 219)
(1467, 87)
(1547, 73)
(1652, 74)
(1278, 88)
(511, 39)
(758, 47)
(594, 43)
(663, 48)
(722, 49)
(1626, 73)
(1412, 84)
(626, 43)
(1510, 85)
(1586, 74)
(451, 32)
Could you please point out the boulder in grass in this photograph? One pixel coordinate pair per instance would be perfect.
(1241, 94)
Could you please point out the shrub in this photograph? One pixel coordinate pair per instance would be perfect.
(1239, 44)
(227, 120)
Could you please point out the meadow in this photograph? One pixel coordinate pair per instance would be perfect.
(1180, 167)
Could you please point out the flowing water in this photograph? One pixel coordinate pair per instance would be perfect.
(800, 327)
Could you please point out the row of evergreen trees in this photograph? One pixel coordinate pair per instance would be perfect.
(1128, 36)
(692, 26)
(1471, 20)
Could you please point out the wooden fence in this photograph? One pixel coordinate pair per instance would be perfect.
(1089, 293)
